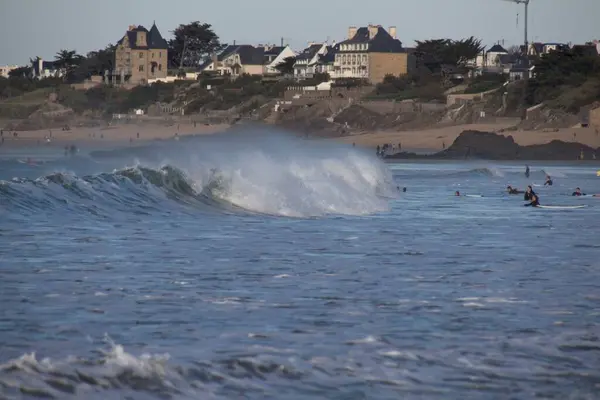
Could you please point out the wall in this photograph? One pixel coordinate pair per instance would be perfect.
(595, 117)
(129, 61)
(382, 64)
(253, 69)
(452, 99)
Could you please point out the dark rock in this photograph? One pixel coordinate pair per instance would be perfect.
(491, 146)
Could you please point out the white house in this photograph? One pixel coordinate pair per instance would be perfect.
(5, 70)
(45, 69)
(492, 60)
(307, 60)
(236, 60)
(275, 55)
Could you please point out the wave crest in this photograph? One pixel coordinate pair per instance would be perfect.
(296, 187)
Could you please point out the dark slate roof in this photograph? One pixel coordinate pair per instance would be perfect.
(497, 49)
(585, 50)
(153, 38)
(507, 58)
(382, 42)
(274, 51)
(309, 52)
(539, 47)
(330, 56)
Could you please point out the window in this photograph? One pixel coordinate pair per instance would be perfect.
(160, 67)
(160, 54)
(152, 54)
(141, 68)
(141, 54)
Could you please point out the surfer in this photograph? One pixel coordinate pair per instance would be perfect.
(512, 190)
(548, 181)
(457, 193)
(577, 192)
(529, 193)
(527, 171)
(535, 201)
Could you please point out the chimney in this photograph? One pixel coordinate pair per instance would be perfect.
(351, 32)
(392, 32)
(373, 29)
(132, 27)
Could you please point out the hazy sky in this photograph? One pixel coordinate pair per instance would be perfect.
(30, 28)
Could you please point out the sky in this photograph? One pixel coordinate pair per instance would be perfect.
(30, 28)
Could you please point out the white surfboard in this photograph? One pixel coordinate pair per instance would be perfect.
(561, 207)
(473, 195)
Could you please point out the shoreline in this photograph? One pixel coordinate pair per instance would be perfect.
(416, 145)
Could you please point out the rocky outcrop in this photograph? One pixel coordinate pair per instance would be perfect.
(491, 146)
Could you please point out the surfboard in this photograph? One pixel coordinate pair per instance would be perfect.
(562, 207)
(472, 195)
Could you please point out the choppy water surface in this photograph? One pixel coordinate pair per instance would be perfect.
(268, 268)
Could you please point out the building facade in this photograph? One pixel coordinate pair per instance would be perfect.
(5, 70)
(141, 55)
(371, 53)
(236, 60)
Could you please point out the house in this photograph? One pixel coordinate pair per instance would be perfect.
(588, 50)
(326, 62)
(236, 60)
(538, 49)
(141, 55)
(41, 69)
(5, 70)
(275, 55)
(371, 53)
(306, 62)
(520, 68)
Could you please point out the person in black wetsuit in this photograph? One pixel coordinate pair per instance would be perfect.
(529, 193)
(512, 190)
(527, 171)
(535, 201)
(577, 192)
(548, 181)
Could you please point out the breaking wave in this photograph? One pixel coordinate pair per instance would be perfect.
(296, 186)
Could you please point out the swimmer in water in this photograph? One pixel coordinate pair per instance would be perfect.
(535, 201)
(548, 181)
(457, 193)
(512, 190)
(528, 193)
(577, 192)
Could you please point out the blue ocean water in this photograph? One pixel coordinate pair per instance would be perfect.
(263, 267)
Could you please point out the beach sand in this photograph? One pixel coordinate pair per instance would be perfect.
(434, 139)
(118, 135)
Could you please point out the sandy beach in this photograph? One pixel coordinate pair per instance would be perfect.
(434, 139)
(118, 135)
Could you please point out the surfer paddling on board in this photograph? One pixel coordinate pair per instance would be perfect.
(548, 181)
(535, 201)
(512, 190)
(529, 193)
(577, 192)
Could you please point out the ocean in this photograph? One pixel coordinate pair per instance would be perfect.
(258, 266)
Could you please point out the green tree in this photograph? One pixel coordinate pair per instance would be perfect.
(286, 66)
(448, 51)
(191, 43)
(68, 61)
(21, 72)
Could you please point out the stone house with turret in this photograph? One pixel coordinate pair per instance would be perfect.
(141, 54)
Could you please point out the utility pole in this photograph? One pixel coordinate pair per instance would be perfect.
(526, 51)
